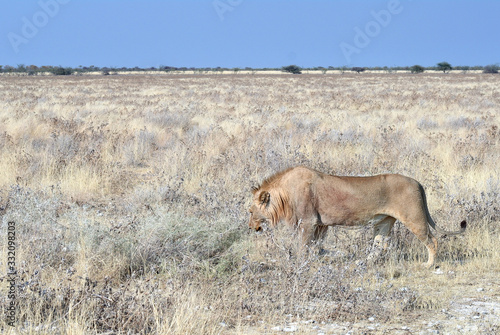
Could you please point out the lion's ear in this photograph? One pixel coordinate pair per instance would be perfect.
(254, 189)
(264, 198)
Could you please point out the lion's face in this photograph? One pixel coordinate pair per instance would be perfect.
(257, 218)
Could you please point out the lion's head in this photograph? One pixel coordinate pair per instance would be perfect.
(270, 204)
(258, 210)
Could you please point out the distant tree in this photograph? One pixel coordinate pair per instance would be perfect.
(417, 69)
(62, 71)
(21, 68)
(292, 69)
(236, 70)
(358, 69)
(32, 69)
(444, 66)
(492, 68)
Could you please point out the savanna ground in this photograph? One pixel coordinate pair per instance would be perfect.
(130, 195)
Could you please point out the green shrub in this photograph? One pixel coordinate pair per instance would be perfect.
(493, 68)
(62, 71)
(417, 69)
(292, 69)
(167, 239)
(358, 69)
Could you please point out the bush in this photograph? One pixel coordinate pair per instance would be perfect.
(292, 69)
(62, 71)
(417, 69)
(493, 68)
(358, 69)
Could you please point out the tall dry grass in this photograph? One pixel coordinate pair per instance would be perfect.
(130, 195)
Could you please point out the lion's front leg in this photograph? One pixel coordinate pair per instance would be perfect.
(313, 234)
(320, 233)
(306, 231)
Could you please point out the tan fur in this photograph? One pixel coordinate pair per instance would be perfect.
(312, 201)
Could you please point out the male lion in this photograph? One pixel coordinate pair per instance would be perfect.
(312, 201)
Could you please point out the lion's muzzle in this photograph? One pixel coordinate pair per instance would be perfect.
(255, 226)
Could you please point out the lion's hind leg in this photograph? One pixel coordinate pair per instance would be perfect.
(381, 233)
(431, 244)
(422, 231)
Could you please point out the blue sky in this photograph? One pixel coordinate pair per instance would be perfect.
(253, 33)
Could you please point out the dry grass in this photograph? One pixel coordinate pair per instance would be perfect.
(130, 197)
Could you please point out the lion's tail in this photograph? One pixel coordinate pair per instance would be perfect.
(463, 224)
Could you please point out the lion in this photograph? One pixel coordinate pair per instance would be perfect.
(312, 201)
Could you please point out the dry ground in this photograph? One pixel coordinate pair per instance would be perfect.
(130, 194)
